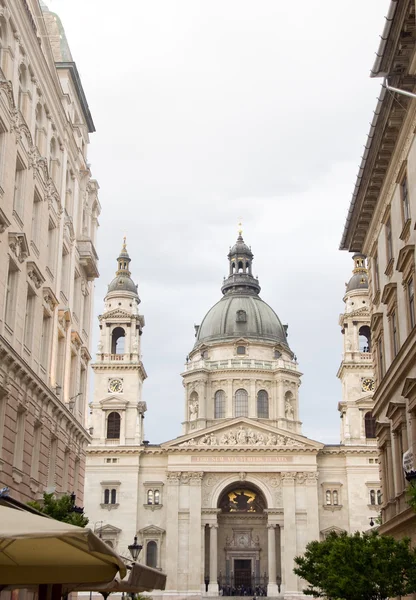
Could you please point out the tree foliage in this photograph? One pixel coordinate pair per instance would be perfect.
(61, 509)
(362, 566)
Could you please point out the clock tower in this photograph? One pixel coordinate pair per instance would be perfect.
(117, 411)
(356, 370)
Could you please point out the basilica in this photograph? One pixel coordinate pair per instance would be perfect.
(224, 508)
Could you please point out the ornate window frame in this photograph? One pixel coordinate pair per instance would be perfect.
(154, 487)
(333, 491)
(110, 485)
(152, 533)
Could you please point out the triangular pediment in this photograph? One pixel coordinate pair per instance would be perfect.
(113, 402)
(108, 529)
(243, 432)
(152, 530)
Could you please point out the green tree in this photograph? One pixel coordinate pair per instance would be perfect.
(61, 509)
(362, 566)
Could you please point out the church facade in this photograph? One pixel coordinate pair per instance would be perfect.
(224, 508)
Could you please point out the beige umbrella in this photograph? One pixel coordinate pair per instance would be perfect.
(38, 550)
(141, 579)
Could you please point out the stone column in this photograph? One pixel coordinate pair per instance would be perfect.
(194, 577)
(280, 400)
(128, 346)
(202, 399)
(230, 400)
(203, 558)
(289, 504)
(252, 400)
(389, 469)
(172, 504)
(272, 589)
(213, 560)
(405, 441)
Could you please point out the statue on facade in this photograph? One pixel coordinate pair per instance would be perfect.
(289, 409)
(193, 410)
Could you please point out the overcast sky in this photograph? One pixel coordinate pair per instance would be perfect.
(208, 111)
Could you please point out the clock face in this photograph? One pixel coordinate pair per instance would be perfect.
(368, 385)
(115, 386)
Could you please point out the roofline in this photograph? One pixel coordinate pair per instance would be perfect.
(343, 245)
(76, 80)
(375, 71)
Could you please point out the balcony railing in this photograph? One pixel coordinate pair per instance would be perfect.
(233, 363)
(126, 358)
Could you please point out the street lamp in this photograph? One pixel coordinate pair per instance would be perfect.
(134, 549)
(371, 522)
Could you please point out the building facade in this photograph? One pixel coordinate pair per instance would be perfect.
(225, 507)
(381, 224)
(48, 222)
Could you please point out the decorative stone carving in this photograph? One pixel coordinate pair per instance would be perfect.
(4, 222)
(288, 477)
(243, 436)
(142, 407)
(173, 476)
(242, 539)
(35, 275)
(18, 245)
(193, 410)
(289, 409)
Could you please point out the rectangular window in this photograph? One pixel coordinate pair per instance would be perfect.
(77, 296)
(29, 317)
(11, 295)
(65, 272)
(51, 247)
(394, 333)
(37, 437)
(61, 361)
(380, 356)
(52, 462)
(45, 341)
(36, 219)
(376, 274)
(411, 301)
(19, 440)
(86, 314)
(389, 241)
(404, 189)
(19, 188)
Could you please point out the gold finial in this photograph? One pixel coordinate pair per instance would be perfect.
(240, 228)
(124, 243)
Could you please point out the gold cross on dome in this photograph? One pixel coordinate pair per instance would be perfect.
(240, 228)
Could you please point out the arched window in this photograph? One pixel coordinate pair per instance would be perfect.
(52, 158)
(109, 543)
(240, 267)
(113, 426)
(107, 496)
(335, 498)
(263, 404)
(241, 403)
(150, 497)
(370, 426)
(328, 500)
(372, 497)
(113, 496)
(117, 340)
(379, 498)
(151, 554)
(157, 497)
(219, 405)
(365, 338)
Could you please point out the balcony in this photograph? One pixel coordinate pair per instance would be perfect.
(88, 257)
(241, 364)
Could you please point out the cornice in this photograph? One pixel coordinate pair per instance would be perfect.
(343, 450)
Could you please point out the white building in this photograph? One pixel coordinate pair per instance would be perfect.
(230, 502)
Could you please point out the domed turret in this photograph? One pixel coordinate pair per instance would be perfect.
(359, 279)
(122, 281)
(241, 312)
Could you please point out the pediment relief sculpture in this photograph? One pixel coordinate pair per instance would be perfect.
(243, 436)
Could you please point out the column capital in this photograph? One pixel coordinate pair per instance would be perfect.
(271, 525)
(213, 525)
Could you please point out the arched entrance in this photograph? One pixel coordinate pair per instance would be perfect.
(242, 541)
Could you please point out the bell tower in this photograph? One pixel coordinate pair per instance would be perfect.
(356, 371)
(117, 407)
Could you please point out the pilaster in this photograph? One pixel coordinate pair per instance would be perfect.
(172, 504)
(289, 531)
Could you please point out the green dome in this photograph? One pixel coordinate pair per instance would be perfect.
(236, 316)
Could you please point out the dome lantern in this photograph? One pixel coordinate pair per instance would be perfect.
(359, 279)
(122, 281)
(240, 277)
